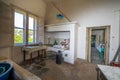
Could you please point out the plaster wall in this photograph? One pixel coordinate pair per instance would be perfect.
(35, 6)
(92, 13)
(5, 52)
(5, 30)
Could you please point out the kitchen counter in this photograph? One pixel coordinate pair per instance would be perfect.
(22, 73)
(54, 49)
(108, 72)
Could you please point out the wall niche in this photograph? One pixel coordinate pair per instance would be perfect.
(63, 33)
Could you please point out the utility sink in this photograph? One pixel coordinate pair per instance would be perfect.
(5, 69)
(9, 70)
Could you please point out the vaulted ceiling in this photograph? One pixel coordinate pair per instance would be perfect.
(80, 10)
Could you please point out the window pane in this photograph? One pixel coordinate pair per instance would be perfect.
(32, 32)
(31, 23)
(18, 36)
(31, 36)
(18, 20)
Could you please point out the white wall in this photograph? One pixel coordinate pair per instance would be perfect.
(91, 13)
(100, 14)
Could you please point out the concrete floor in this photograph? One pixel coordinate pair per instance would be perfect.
(95, 56)
(81, 70)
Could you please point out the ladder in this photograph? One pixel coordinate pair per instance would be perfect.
(117, 53)
(112, 63)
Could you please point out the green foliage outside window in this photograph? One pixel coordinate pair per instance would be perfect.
(18, 36)
(30, 37)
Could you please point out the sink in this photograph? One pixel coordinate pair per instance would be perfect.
(5, 69)
(14, 71)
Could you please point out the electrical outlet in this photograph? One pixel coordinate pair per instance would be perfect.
(66, 55)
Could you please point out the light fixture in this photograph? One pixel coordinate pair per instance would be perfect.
(60, 16)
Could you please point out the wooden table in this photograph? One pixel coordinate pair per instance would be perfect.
(108, 73)
(32, 49)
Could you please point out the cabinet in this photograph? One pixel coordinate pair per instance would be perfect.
(71, 27)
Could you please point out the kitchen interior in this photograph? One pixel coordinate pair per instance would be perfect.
(58, 31)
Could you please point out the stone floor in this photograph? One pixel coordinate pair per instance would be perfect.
(49, 70)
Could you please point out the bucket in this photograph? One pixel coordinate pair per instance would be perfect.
(5, 69)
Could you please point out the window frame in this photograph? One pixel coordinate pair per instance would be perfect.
(35, 29)
(17, 27)
(26, 27)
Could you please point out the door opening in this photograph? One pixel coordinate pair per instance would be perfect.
(98, 44)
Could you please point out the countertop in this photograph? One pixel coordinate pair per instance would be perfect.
(110, 72)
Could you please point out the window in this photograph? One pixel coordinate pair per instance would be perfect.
(21, 31)
(32, 29)
(19, 27)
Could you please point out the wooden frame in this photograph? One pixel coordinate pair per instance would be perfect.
(107, 40)
(27, 13)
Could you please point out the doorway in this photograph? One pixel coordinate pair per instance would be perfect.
(98, 44)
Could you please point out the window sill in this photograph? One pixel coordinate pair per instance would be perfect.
(19, 45)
